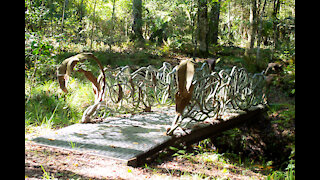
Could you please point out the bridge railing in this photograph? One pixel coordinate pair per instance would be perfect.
(214, 92)
(211, 92)
(142, 88)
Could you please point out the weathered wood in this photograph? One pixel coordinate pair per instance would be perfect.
(215, 129)
(200, 134)
(141, 158)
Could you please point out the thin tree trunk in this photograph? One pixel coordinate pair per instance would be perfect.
(259, 31)
(214, 23)
(203, 28)
(193, 29)
(276, 8)
(229, 26)
(80, 19)
(112, 22)
(64, 8)
(94, 13)
(137, 20)
(51, 17)
(80, 11)
(252, 28)
(126, 25)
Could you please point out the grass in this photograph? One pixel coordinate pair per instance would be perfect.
(45, 174)
(47, 105)
(204, 162)
(201, 161)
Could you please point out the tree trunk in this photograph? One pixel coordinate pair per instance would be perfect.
(259, 31)
(252, 28)
(80, 11)
(194, 30)
(112, 22)
(64, 8)
(51, 16)
(214, 23)
(203, 28)
(94, 14)
(276, 8)
(137, 20)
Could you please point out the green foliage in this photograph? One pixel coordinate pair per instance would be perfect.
(288, 174)
(39, 57)
(284, 113)
(46, 175)
(47, 105)
(289, 78)
(99, 21)
(286, 79)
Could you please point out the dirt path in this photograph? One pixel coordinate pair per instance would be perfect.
(48, 162)
(65, 164)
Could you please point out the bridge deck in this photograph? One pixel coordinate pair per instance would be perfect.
(134, 138)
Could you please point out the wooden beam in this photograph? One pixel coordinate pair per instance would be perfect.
(200, 134)
(215, 129)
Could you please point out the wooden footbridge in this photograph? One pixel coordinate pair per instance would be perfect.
(205, 103)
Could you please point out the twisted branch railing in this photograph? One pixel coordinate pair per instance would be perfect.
(214, 91)
(199, 93)
(146, 86)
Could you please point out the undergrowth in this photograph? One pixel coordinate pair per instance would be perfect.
(46, 104)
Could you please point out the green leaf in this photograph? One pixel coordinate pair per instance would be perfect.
(176, 154)
(35, 52)
(182, 151)
(173, 148)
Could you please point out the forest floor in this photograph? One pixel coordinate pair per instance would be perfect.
(43, 162)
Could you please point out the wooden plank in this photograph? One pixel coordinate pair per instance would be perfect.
(140, 159)
(215, 129)
(199, 134)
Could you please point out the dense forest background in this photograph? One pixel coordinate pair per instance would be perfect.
(254, 34)
(197, 28)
